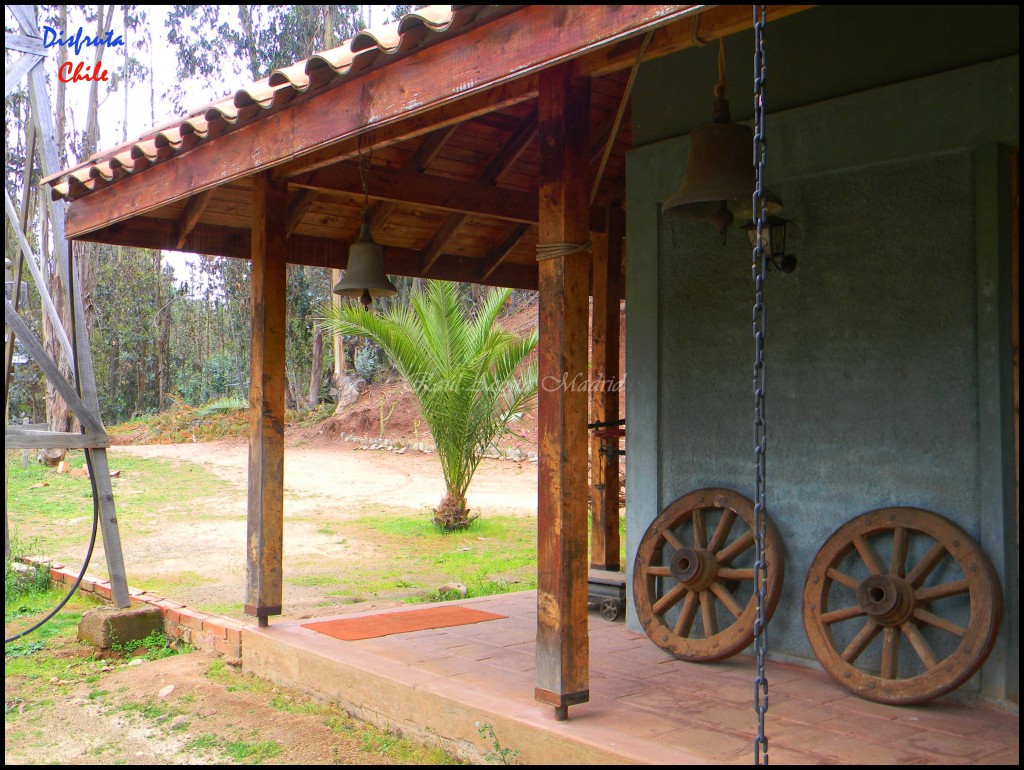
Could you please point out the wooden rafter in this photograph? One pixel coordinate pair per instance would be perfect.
(498, 253)
(298, 207)
(506, 156)
(425, 153)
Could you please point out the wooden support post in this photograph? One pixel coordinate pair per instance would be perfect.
(604, 393)
(563, 653)
(266, 399)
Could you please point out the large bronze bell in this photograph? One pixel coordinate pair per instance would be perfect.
(365, 277)
(719, 183)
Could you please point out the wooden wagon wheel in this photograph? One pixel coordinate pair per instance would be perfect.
(917, 581)
(699, 555)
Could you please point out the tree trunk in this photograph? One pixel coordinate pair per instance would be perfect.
(140, 380)
(316, 370)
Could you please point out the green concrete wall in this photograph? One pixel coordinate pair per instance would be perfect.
(887, 383)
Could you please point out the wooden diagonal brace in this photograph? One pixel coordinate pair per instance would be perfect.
(35, 349)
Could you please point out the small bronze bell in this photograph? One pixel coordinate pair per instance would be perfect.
(365, 277)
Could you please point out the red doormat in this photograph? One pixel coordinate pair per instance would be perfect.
(371, 626)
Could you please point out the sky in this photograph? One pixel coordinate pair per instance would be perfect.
(160, 56)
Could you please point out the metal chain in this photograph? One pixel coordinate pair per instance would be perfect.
(759, 270)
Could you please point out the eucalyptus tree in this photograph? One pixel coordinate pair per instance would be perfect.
(469, 375)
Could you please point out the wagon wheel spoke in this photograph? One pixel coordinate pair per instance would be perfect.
(668, 600)
(728, 573)
(700, 539)
(672, 539)
(722, 531)
(686, 616)
(695, 558)
(934, 620)
(928, 562)
(844, 579)
(867, 553)
(890, 651)
(920, 644)
(950, 639)
(846, 613)
(735, 548)
(860, 642)
(898, 561)
(727, 599)
(942, 591)
(707, 613)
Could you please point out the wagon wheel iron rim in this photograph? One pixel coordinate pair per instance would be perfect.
(693, 576)
(901, 606)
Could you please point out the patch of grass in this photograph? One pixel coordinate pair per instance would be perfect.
(372, 740)
(55, 519)
(313, 581)
(223, 608)
(205, 742)
(45, 662)
(252, 753)
(149, 709)
(496, 554)
(235, 681)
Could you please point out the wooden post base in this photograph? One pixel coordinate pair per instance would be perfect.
(561, 701)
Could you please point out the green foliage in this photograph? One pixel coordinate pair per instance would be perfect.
(497, 754)
(223, 405)
(368, 361)
(21, 580)
(157, 645)
(462, 369)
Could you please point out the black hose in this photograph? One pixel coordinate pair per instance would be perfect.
(88, 462)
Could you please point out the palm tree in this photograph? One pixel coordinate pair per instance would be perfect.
(462, 370)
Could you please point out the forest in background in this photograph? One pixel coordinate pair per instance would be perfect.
(158, 336)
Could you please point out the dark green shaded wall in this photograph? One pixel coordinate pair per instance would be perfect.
(887, 383)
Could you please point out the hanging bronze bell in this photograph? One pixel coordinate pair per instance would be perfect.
(719, 182)
(365, 277)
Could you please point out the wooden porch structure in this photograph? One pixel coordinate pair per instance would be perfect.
(494, 138)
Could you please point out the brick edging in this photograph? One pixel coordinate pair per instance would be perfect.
(202, 630)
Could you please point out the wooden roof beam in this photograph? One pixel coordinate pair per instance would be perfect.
(190, 218)
(429, 190)
(695, 29)
(313, 251)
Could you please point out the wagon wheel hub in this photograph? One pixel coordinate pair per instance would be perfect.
(696, 568)
(887, 598)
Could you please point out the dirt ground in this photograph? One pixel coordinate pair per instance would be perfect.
(173, 712)
(327, 483)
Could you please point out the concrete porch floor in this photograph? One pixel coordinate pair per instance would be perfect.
(645, 706)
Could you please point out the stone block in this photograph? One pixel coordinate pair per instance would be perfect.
(104, 627)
